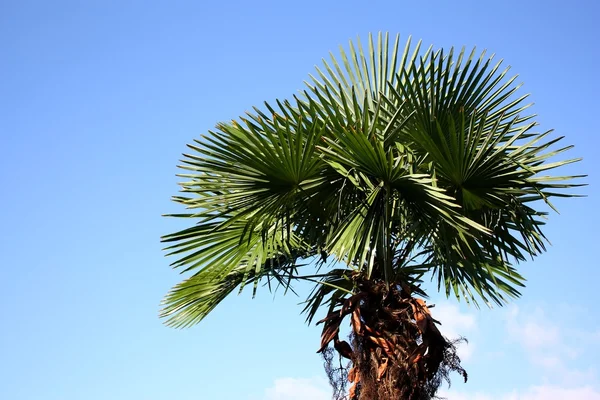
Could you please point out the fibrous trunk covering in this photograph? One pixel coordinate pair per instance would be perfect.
(397, 351)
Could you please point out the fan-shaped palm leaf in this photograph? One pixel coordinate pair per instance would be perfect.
(394, 162)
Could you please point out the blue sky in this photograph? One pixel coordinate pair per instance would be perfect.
(98, 101)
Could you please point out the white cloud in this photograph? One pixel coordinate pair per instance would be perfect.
(544, 392)
(532, 330)
(555, 350)
(451, 395)
(551, 346)
(455, 324)
(299, 389)
(549, 392)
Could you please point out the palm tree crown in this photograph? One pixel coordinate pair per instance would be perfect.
(393, 163)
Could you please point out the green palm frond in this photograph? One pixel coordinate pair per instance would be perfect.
(461, 117)
(191, 300)
(396, 160)
(334, 288)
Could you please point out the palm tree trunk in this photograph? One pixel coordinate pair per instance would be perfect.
(397, 351)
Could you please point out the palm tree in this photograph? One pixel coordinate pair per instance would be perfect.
(391, 166)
